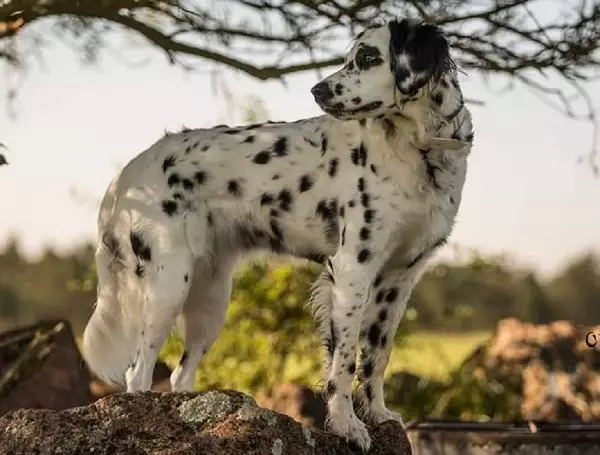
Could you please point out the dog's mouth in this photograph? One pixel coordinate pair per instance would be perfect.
(343, 111)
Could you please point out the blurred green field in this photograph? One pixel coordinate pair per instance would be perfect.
(427, 354)
(434, 354)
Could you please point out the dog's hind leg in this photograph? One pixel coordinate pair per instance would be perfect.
(203, 314)
(164, 291)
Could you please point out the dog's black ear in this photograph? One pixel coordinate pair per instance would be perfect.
(419, 53)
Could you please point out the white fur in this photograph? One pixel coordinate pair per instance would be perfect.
(156, 263)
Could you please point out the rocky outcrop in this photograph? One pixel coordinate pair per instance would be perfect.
(40, 367)
(552, 365)
(301, 403)
(209, 423)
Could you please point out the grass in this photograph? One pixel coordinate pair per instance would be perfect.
(427, 354)
(434, 354)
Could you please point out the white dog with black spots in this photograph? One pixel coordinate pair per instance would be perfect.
(370, 190)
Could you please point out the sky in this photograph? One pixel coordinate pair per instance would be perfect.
(76, 125)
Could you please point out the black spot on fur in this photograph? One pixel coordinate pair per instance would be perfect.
(350, 66)
(169, 207)
(342, 211)
(354, 156)
(365, 200)
(276, 177)
(369, 215)
(438, 98)
(383, 341)
(361, 184)
(329, 390)
(334, 336)
(351, 203)
(365, 234)
(373, 169)
(249, 140)
(333, 167)
(382, 316)
(174, 179)
(374, 334)
(378, 280)
(379, 297)
(281, 146)
(363, 255)
(266, 199)
(356, 100)
(368, 368)
(200, 177)
(209, 218)
(141, 250)
(233, 187)
(362, 154)
(343, 236)
(168, 162)
(352, 368)
(262, 157)
(186, 278)
(362, 122)
(324, 142)
(276, 245)
(188, 185)
(391, 295)
(305, 183)
(338, 89)
(285, 200)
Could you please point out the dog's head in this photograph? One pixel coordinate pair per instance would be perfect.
(388, 66)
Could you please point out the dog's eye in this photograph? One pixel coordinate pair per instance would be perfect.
(367, 57)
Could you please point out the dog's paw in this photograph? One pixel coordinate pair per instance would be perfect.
(352, 430)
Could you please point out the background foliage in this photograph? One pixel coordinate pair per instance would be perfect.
(269, 339)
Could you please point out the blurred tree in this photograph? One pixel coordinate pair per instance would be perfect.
(523, 40)
(575, 293)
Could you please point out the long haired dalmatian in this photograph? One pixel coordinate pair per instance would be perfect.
(370, 190)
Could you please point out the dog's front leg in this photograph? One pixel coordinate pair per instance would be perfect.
(353, 269)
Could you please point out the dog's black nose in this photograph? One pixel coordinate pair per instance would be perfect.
(322, 92)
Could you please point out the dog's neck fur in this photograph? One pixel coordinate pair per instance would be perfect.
(438, 114)
(420, 124)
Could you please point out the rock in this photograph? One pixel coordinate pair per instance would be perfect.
(208, 423)
(301, 403)
(552, 366)
(40, 367)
